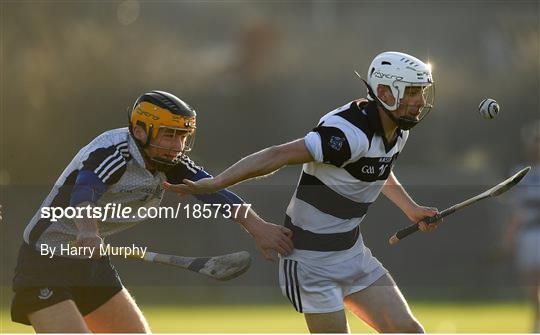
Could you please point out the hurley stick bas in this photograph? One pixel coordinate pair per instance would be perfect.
(492, 192)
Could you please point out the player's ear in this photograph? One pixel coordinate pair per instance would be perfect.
(139, 133)
(384, 93)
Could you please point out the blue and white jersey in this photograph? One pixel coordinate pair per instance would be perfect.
(115, 159)
(352, 161)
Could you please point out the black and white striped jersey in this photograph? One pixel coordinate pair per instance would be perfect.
(115, 159)
(352, 161)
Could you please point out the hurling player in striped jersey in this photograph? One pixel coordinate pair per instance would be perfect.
(127, 166)
(347, 161)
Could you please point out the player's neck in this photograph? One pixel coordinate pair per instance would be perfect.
(148, 164)
(389, 126)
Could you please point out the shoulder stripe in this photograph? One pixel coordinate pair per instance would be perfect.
(188, 161)
(117, 157)
(188, 166)
(122, 163)
(123, 148)
(106, 161)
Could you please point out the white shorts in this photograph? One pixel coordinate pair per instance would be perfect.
(313, 288)
(528, 252)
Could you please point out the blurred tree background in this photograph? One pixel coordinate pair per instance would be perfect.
(261, 73)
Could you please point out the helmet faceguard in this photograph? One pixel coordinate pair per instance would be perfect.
(158, 110)
(171, 151)
(398, 71)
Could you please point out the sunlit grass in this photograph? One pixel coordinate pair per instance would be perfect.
(436, 318)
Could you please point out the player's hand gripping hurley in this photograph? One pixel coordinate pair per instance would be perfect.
(492, 192)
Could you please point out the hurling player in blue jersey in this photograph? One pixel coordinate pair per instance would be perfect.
(81, 292)
(347, 161)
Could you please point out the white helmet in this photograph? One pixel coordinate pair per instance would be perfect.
(398, 71)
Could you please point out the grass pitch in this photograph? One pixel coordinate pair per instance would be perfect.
(492, 317)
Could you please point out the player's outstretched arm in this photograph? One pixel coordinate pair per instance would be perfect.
(268, 237)
(258, 164)
(394, 191)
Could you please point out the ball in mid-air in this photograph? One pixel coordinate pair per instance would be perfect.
(488, 108)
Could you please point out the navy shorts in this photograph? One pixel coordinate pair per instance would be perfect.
(40, 282)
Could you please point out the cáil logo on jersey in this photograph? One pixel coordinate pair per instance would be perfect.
(336, 142)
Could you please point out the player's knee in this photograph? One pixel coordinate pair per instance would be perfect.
(335, 323)
(63, 317)
(133, 325)
(136, 324)
(141, 326)
(406, 325)
(137, 328)
(118, 315)
(328, 330)
(415, 327)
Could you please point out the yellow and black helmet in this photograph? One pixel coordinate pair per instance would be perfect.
(158, 109)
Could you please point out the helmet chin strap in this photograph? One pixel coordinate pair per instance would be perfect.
(402, 122)
(162, 164)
